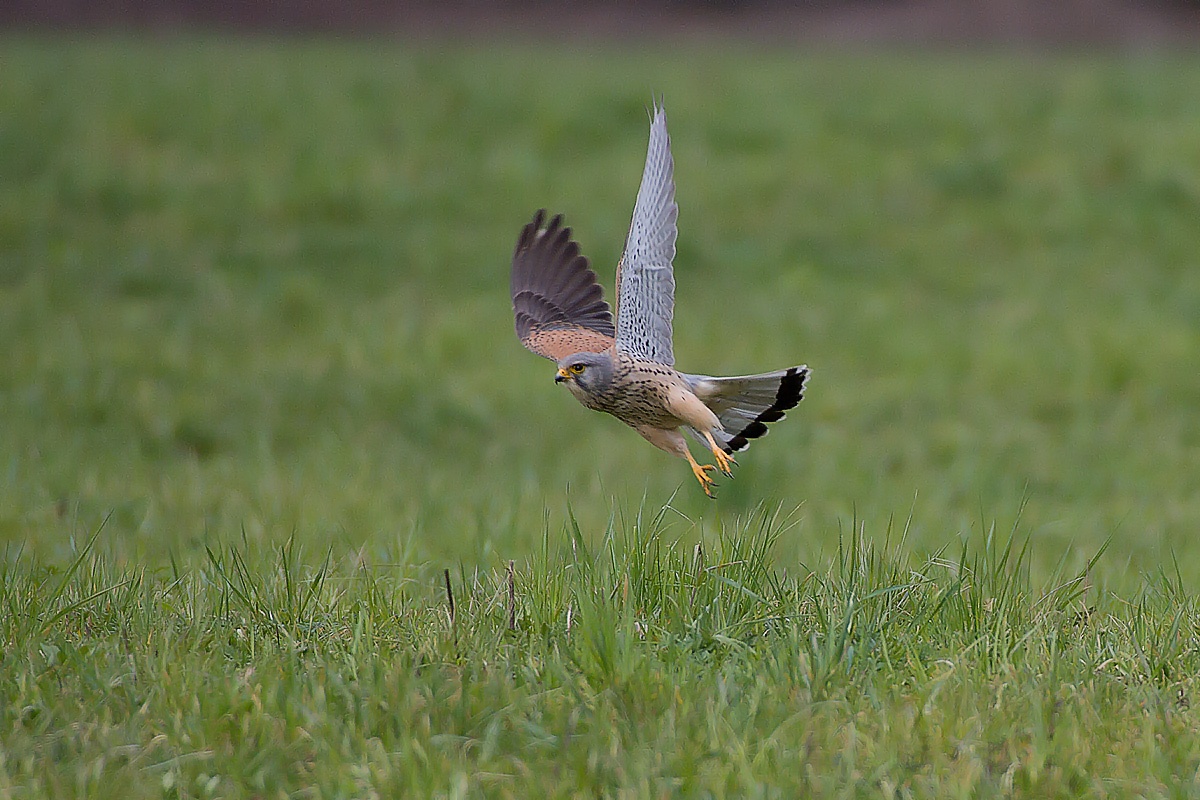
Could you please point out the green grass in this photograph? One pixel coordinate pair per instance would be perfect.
(259, 393)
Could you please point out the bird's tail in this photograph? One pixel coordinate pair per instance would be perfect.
(748, 403)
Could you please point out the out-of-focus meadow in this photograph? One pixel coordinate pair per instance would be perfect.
(255, 292)
(261, 288)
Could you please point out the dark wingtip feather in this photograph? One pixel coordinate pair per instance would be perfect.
(552, 283)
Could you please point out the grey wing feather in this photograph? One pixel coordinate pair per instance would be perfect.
(645, 282)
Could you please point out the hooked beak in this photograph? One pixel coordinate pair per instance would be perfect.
(561, 376)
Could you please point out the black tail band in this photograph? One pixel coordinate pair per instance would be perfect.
(790, 392)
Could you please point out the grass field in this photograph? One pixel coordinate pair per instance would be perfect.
(260, 401)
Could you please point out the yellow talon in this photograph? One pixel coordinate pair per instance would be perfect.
(725, 462)
(701, 472)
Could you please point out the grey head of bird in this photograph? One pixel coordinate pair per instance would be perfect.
(586, 374)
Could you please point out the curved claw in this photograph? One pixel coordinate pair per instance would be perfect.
(725, 462)
(706, 483)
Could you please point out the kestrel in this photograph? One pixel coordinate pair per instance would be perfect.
(627, 369)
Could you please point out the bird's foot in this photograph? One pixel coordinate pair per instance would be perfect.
(725, 462)
(701, 472)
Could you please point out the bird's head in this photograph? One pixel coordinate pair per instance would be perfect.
(585, 373)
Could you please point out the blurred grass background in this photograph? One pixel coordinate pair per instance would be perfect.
(258, 288)
(255, 331)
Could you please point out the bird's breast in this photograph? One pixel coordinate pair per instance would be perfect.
(637, 395)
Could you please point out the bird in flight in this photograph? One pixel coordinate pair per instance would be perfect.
(627, 368)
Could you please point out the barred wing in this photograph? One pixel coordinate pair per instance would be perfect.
(645, 283)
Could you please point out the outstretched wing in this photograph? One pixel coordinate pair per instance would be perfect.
(558, 307)
(645, 283)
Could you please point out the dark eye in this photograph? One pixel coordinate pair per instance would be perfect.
(577, 368)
